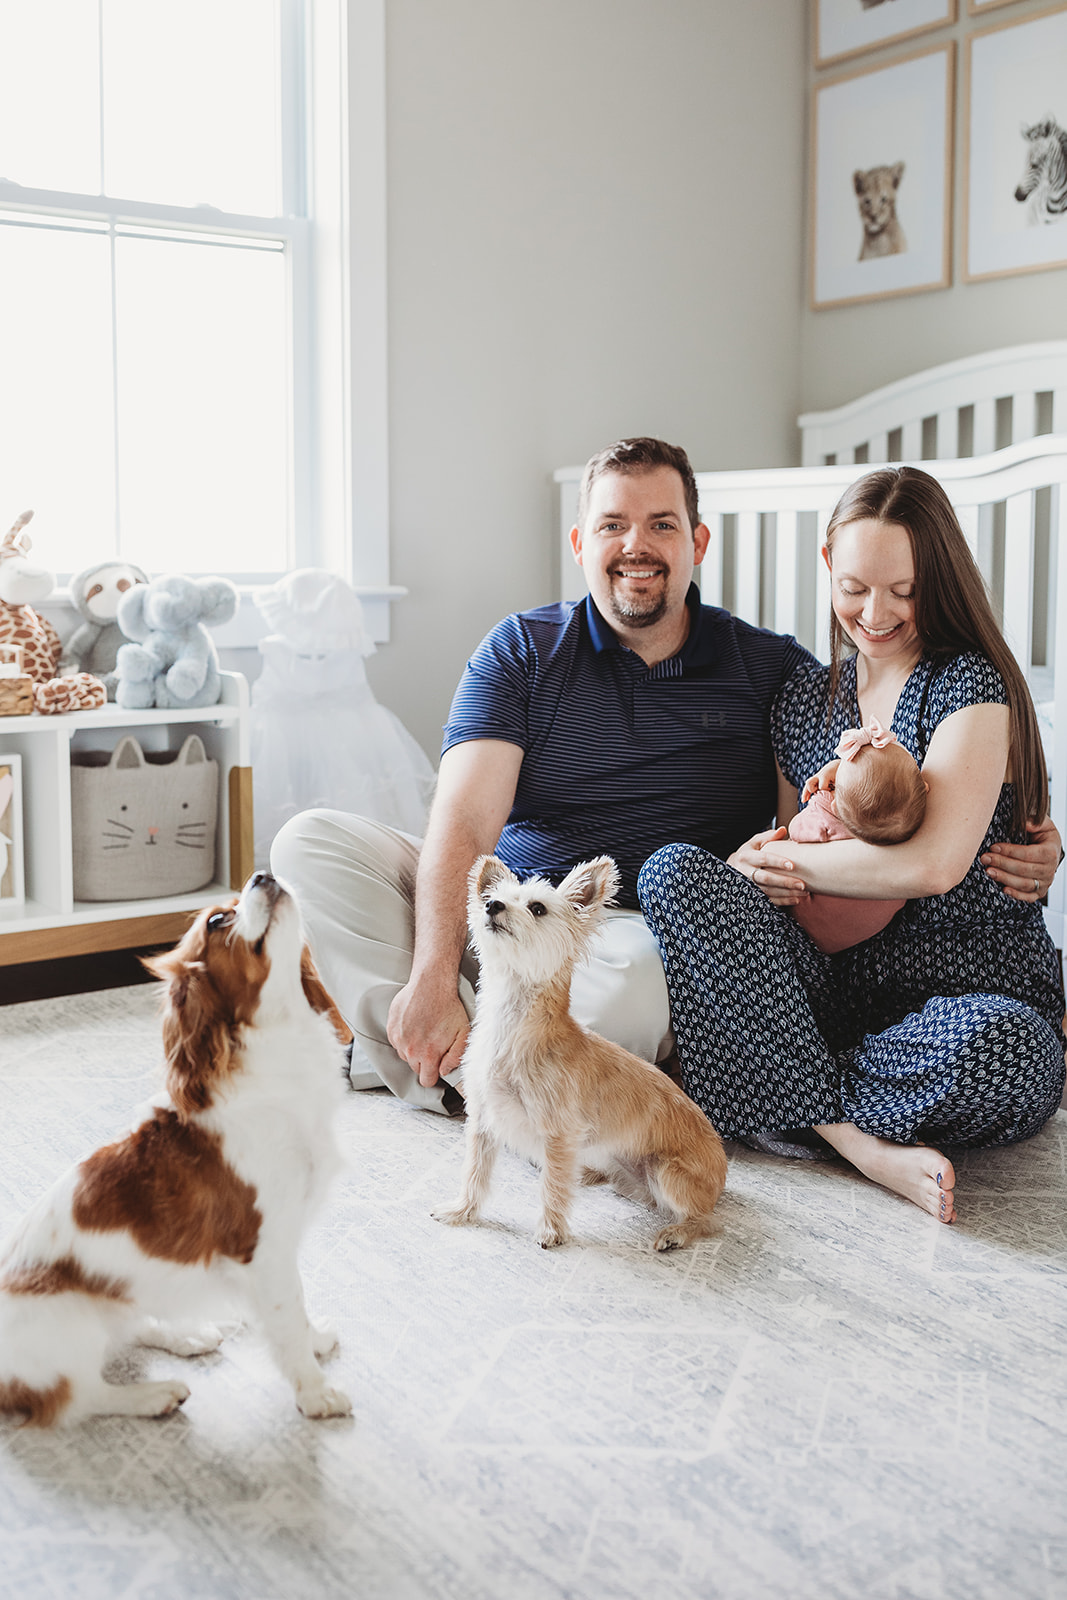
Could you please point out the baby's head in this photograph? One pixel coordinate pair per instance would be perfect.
(879, 793)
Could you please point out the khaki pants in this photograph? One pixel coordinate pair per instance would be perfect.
(354, 880)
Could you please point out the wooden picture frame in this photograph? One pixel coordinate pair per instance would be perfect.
(846, 28)
(12, 851)
(881, 180)
(1015, 160)
(978, 8)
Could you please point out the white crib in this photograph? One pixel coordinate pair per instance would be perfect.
(767, 525)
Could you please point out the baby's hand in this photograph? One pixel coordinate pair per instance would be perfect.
(823, 779)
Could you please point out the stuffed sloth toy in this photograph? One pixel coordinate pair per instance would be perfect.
(172, 661)
(94, 645)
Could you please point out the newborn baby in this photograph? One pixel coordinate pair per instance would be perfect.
(875, 792)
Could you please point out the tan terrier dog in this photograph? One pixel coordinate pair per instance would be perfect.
(537, 1081)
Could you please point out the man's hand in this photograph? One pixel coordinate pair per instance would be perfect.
(772, 873)
(427, 1024)
(428, 1030)
(1026, 870)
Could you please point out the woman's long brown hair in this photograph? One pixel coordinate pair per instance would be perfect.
(952, 610)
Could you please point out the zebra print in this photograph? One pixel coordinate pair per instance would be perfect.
(1044, 181)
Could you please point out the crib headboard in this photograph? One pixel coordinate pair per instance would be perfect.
(964, 408)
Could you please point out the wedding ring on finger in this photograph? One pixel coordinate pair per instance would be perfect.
(1037, 888)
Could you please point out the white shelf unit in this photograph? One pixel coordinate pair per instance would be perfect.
(50, 921)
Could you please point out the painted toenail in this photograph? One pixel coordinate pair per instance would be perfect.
(939, 1180)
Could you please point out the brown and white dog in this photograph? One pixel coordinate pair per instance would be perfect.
(203, 1203)
(537, 1081)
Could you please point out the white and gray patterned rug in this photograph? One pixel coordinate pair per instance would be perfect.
(832, 1397)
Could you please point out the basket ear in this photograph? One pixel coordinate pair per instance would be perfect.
(127, 753)
(192, 752)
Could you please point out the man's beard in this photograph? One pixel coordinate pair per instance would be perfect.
(640, 611)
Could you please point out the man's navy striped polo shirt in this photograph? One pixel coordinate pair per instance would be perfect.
(621, 758)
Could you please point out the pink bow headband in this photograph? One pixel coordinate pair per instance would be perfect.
(853, 740)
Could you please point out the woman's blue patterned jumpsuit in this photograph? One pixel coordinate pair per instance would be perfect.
(944, 1028)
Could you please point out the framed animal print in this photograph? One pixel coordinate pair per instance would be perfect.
(881, 198)
(12, 881)
(1015, 191)
(846, 28)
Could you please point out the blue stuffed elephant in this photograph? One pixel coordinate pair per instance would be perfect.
(172, 661)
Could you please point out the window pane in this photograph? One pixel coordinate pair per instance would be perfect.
(56, 425)
(50, 105)
(191, 103)
(203, 414)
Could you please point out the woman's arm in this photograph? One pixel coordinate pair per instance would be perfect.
(964, 767)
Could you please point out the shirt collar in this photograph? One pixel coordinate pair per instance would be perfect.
(696, 649)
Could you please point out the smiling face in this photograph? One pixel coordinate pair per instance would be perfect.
(872, 577)
(637, 549)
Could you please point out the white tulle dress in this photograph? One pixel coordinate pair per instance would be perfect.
(319, 736)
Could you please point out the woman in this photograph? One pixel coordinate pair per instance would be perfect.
(943, 1029)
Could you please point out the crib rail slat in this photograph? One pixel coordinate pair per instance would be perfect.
(911, 440)
(786, 616)
(709, 572)
(1019, 577)
(985, 427)
(821, 631)
(1056, 914)
(1023, 417)
(948, 434)
(747, 564)
(968, 516)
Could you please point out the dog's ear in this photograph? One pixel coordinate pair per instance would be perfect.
(198, 1040)
(318, 999)
(592, 883)
(487, 871)
(199, 1029)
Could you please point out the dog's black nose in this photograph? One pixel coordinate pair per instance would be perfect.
(493, 908)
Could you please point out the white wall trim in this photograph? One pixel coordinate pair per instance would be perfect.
(368, 430)
(350, 392)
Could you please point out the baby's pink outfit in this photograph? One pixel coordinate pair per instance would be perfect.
(833, 921)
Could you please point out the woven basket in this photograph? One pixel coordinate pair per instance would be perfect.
(143, 823)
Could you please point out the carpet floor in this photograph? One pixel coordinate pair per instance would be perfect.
(833, 1396)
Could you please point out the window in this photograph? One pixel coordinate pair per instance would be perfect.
(156, 275)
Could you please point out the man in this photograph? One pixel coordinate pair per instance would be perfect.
(614, 725)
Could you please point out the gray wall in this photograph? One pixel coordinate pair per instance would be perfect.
(595, 229)
(847, 351)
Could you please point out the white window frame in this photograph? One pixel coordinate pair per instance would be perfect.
(333, 54)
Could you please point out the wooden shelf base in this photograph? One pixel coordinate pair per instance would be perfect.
(86, 938)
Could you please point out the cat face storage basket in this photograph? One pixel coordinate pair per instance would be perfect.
(143, 822)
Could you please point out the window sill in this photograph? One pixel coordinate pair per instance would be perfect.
(247, 627)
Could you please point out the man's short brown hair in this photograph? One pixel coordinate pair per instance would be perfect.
(636, 456)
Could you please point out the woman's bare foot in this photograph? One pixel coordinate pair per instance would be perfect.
(919, 1173)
